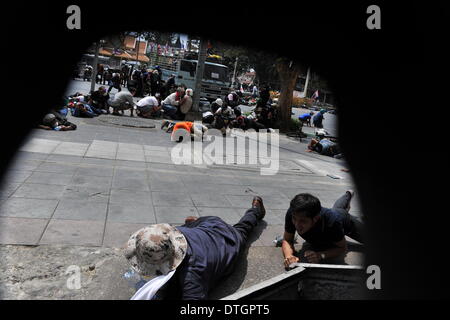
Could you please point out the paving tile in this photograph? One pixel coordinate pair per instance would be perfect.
(73, 232)
(64, 158)
(16, 176)
(72, 192)
(28, 208)
(209, 187)
(130, 156)
(91, 181)
(95, 170)
(25, 165)
(275, 217)
(118, 233)
(131, 213)
(21, 231)
(138, 184)
(155, 148)
(130, 164)
(25, 155)
(159, 159)
(269, 233)
(201, 178)
(174, 214)
(81, 210)
(171, 199)
(8, 188)
(98, 161)
(157, 167)
(39, 191)
(127, 172)
(49, 178)
(71, 148)
(40, 145)
(210, 200)
(127, 196)
(57, 168)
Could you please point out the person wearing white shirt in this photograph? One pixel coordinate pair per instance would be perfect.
(148, 107)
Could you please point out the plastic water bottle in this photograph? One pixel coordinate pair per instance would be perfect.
(278, 241)
(134, 279)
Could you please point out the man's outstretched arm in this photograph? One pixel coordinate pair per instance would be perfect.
(288, 249)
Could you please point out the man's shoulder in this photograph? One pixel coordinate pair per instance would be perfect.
(330, 216)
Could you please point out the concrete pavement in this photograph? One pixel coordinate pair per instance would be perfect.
(89, 189)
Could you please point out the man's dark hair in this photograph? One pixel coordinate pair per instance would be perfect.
(305, 204)
(132, 89)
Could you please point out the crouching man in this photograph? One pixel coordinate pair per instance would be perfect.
(323, 229)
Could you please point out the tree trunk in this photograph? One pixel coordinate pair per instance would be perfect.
(288, 72)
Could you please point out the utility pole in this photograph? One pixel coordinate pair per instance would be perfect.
(94, 71)
(234, 73)
(305, 91)
(195, 115)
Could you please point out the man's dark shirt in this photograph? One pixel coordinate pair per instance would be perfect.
(213, 248)
(329, 229)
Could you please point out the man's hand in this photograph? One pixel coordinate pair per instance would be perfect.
(289, 260)
(313, 257)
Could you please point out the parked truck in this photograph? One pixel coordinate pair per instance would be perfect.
(215, 83)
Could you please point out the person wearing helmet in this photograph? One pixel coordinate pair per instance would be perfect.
(216, 105)
(318, 118)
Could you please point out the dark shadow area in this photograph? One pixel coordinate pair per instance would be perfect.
(231, 284)
(371, 72)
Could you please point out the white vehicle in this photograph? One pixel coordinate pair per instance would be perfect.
(215, 83)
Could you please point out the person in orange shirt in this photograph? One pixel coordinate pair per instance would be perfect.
(195, 130)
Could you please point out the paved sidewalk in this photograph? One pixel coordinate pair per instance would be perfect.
(95, 186)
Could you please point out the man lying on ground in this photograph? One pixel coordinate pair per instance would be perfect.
(181, 129)
(325, 147)
(323, 229)
(190, 260)
(50, 122)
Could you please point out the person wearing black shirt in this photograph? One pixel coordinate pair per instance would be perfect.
(323, 229)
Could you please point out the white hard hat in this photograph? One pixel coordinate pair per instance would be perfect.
(219, 102)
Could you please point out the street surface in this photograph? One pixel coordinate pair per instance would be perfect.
(77, 196)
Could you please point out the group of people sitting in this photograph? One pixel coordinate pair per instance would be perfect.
(227, 114)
